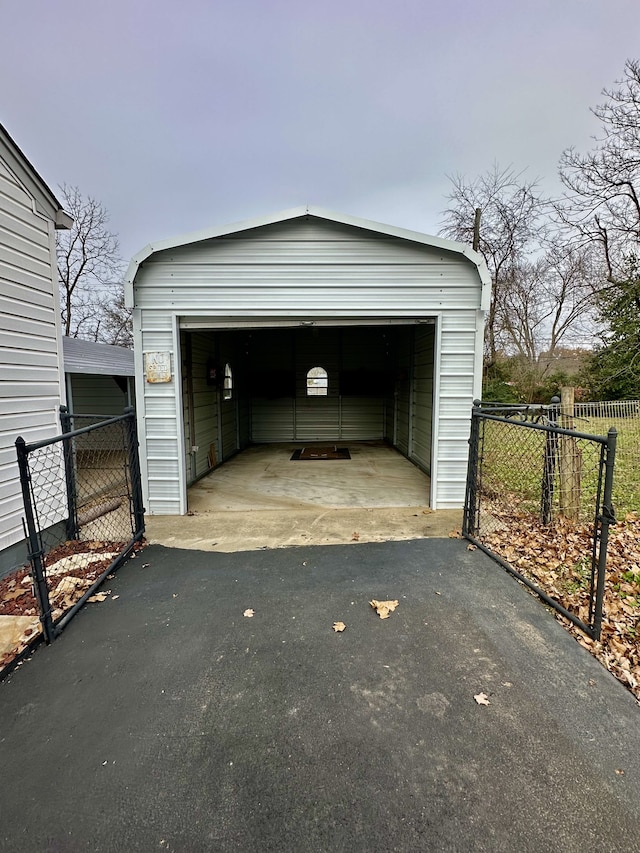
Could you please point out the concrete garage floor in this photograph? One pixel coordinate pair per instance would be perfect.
(261, 499)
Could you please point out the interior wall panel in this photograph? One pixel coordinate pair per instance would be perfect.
(422, 396)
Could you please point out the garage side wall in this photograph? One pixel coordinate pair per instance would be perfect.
(308, 268)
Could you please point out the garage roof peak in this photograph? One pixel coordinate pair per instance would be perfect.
(297, 213)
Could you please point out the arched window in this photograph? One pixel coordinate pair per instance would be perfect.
(227, 387)
(317, 382)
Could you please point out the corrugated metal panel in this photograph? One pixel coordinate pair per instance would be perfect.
(157, 405)
(272, 420)
(362, 418)
(306, 293)
(96, 395)
(272, 417)
(89, 357)
(229, 428)
(402, 394)
(422, 396)
(332, 270)
(317, 419)
(30, 364)
(187, 392)
(230, 352)
(204, 406)
(454, 416)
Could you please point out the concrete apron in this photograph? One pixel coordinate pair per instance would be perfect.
(261, 499)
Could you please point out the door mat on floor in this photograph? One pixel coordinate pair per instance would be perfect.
(315, 453)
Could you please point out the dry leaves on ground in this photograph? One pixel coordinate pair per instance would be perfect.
(558, 559)
(339, 626)
(383, 608)
(482, 699)
(71, 568)
(249, 612)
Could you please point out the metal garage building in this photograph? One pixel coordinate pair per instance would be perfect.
(98, 377)
(305, 326)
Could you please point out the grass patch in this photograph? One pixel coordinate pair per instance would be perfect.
(514, 462)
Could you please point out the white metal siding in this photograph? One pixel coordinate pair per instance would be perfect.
(30, 361)
(310, 268)
(204, 408)
(422, 396)
(456, 390)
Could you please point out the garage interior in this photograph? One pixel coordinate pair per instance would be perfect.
(252, 396)
(307, 384)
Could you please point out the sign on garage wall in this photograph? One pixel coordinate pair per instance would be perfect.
(157, 366)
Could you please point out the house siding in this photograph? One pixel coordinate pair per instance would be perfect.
(30, 357)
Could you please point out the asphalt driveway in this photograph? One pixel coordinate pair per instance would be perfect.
(164, 719)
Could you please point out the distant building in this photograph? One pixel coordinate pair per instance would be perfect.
(98, 377)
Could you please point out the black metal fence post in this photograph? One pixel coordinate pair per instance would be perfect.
(470, 516)
(606, 519)
(134, 468)
(550, 458)
(66, 422)
(35, 546)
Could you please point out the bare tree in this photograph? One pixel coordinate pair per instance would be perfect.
(602, 199)
(511, 219)
(550, 301)
(90, 272)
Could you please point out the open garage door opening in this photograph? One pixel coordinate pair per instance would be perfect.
(252, 397)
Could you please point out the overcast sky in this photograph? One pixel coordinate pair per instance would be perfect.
(183, 115)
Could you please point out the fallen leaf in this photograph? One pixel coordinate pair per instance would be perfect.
(472, 547)
(384, 608)
(113, 597)
(249, 612)
(339, 626)
(619, 772)
(482, 699)
(14, 593)
(427, 511)
(99, 596)
(355, 536)
(455, 534)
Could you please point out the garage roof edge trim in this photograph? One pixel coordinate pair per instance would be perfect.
(319, 212)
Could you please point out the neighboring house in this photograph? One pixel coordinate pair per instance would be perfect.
(305, 326)
(31, 375)
(99, 377)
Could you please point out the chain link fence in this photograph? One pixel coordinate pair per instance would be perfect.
(539, 500)
(83, 511)
(624, 415)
